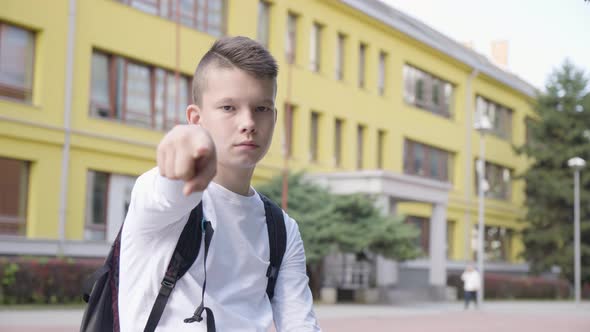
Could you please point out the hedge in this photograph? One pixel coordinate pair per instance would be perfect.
(44, 280)
(500, 286)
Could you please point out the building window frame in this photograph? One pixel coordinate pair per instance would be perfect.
(382, 73)
(163, 111)
(500, 116)
(13, 208)
(362, 70)
(264, 23)
(315, 47)
(341, 40)
(427, 91)
(191, 16)
(422, 166)
(291, 37)
(9, 88)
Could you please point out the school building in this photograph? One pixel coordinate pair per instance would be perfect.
(370, 100)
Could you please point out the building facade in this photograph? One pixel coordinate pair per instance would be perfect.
(369, 100)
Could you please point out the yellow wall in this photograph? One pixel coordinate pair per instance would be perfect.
(35, 132)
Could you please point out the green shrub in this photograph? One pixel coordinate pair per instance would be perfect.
(44, 280)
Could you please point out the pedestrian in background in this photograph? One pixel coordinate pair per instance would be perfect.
(471, 284)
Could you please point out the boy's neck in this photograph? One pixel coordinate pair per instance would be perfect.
(236, 180)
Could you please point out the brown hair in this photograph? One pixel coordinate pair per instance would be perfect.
(235, 52)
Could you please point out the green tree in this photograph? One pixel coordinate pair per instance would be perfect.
(560, 132)
(347, 223)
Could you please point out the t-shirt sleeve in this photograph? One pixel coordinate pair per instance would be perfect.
(292, 304)
(158, 202)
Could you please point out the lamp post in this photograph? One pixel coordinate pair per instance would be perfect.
(483, 126)
(577, 164)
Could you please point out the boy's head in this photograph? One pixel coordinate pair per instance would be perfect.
(234, 53)
(234, 90)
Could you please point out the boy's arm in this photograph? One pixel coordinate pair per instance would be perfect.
(292, 304)
(163, 195)
(157, 202)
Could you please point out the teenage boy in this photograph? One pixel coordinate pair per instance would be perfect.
(211, 160)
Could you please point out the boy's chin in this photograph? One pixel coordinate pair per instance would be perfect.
(239, 165)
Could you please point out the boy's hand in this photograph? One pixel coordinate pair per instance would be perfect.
(187, 153)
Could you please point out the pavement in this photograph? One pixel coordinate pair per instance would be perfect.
(505, 316)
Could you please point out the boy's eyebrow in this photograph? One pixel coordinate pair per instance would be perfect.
(225, 100)
(231, 100)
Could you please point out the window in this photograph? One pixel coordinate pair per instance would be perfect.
(96, 218)
(426, 91)
(497, 243)
(380, 148)
(291, 38)
(315, 47)
(204, 15)
(289, 119)
(14, 188)
(360, 141)
(263, 23)
(107, 201)
(423, 239)
(362, 64)
(338, 124)
(500, 116)
(427, 161)
(340, 56)
(137, 94)
(314, 137)
(498, 180)
(381, 74)
(450, 236)
(17, 50)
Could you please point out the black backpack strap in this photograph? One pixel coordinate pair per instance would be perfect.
(198, 314)
(277, 239)
(185, 253)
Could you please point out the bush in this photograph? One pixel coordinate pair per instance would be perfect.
(586, 291)
(500, 286)
(44, 280)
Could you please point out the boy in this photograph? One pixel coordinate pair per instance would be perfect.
(211, 160)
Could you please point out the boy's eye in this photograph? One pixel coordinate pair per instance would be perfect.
(227, 108)
(262, 109)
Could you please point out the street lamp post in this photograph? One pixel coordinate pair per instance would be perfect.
(483, 126)
(577, 164)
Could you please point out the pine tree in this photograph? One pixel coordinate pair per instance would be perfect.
(560, 132)
(346, 223)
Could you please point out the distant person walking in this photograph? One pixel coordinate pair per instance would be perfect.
(471, 284)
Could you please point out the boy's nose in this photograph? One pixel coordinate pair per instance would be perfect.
(247, 124)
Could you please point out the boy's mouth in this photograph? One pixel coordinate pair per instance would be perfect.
(248, 144)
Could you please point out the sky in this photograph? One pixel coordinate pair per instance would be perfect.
(541, 33)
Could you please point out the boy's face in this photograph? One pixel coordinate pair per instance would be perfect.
(238, 111)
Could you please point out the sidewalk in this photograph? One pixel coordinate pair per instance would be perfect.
(520, 316)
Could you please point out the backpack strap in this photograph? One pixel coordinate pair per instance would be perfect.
(277, 239)
(185, 253)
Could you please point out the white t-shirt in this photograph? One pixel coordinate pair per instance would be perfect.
(471, 280)
(236, 265)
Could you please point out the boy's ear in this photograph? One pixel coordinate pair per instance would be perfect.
(276, 114)
(193, 114)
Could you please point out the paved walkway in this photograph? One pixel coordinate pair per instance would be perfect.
(449, 317)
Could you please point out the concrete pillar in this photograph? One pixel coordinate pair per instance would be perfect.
(438, 238)
(387, 271)
(382, 202)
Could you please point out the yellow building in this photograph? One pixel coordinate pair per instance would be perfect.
(375, 102)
